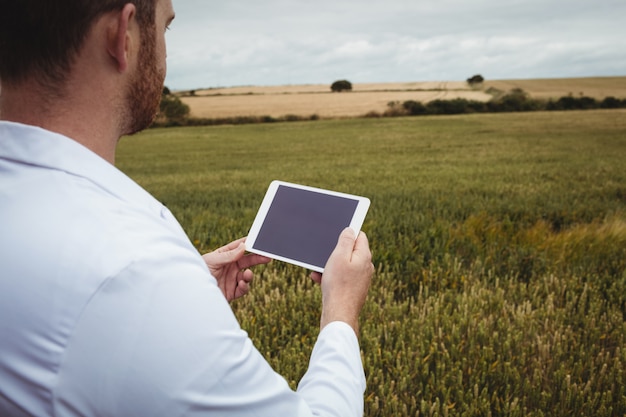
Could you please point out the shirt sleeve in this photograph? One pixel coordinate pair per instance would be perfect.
(160, 339)
(334, 384)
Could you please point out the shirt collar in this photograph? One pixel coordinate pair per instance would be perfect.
(39, 147)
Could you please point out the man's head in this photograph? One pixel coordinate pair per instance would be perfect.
(40, 41)
(42, 37)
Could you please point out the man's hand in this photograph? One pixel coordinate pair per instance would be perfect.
(229, 265)
(346, 280)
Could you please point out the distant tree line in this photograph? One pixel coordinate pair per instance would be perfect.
(173, 112)
(515, 100)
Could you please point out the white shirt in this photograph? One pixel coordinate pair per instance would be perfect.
(107, 309)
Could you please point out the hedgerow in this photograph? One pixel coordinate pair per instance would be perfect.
(515, 100)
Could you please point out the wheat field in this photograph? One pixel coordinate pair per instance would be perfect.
(317, 99)
(499, 242)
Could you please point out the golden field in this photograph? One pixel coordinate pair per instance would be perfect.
(317, 99)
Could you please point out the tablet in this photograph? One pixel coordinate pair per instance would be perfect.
(301, 225)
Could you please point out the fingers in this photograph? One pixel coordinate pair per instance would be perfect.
(230, 285)
(225, 255)
(252, 259)
(356, 247)
(230, 265)
(345, 245)
(234, 252)
(352, 249)
(246, 277)
(238, 286)
(232, 245)
(243, 285)
(347, 248)
(316, 277)
(242, 289)
(346, 279)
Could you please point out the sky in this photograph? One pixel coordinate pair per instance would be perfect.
(290, 42)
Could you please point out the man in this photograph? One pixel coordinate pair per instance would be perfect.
(106, 309)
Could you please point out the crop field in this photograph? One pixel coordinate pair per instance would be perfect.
(499, 242)
(317, 99)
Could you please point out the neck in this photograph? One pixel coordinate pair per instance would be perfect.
(78, 116)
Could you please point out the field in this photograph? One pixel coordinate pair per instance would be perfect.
(499, 242)
(307, 100)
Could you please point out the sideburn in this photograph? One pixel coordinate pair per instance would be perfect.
(144, 92)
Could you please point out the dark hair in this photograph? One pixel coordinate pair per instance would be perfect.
(42, 37)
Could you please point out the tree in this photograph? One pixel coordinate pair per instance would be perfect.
(341, 85)
(475, 79)
(172, 109)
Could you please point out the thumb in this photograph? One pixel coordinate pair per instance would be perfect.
(345, 243)
(231, 255)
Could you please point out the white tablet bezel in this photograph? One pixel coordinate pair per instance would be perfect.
(356, 223)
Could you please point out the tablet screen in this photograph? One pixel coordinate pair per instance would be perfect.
(303, 224)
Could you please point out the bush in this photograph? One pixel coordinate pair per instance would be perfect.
(611, 103)
(515, 100)
(414, 107)
(395, 109)
(341, 85)
(574, 103)
(172, 109)
(476, 79)
(454, 106)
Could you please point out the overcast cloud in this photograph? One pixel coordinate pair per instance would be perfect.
(276, 42)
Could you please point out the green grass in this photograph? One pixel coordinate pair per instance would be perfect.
(499, 242)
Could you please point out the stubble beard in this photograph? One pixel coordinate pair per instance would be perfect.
(146, 87)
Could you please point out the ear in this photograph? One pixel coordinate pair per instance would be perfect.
(119, 37)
